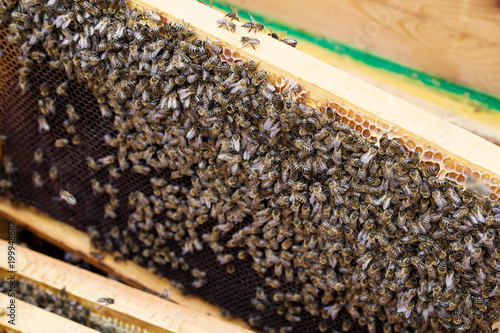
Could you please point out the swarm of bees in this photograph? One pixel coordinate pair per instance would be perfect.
(60, 304)
(244, 173)
(226, 22)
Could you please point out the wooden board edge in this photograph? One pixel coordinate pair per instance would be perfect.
(131, 306)
(327, 84)
(71, 239)
(31, 319)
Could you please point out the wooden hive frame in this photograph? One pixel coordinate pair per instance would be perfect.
(364, 107)
(378, 41)
(132, 308)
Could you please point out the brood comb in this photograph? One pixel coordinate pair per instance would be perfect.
(244, 187)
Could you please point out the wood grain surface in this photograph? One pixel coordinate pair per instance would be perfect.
(71, 239)
(458, 40)
(31, 319)
(131, 307)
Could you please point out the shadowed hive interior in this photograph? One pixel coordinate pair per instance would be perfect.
(228, 184)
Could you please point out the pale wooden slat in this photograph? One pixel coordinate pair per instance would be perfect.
(31, 319)
(131, 306)
(78, 242)
(456, 40)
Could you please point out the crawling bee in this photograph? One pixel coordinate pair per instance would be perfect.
(44, 89)
(256, 26)
(68, 197)
(249, 41)
(106, 301)
(233, 15)
(289, 41)
(224, 23)
(38, 156)
(72, 115)
(97, 255)
(62, 88)
(37, 179)
(43, 125)
(61, 143)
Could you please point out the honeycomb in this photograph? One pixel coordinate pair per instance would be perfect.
(195, 163)
(450, 167)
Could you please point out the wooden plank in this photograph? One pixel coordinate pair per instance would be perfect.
(131, 306)
(78, 242)
(459, 150)
(454, 40)
(31, 319)
(459, 109)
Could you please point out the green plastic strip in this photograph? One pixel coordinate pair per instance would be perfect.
(483, 100)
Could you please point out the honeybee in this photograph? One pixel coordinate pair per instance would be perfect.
(38, 156)
(256, 26)
(37, 179)
(68, 197)
(249, 41)
(44, 89)
(62, 88)
(73, 116)
(439, 199)
(493, 221)
(233, 15)
(60, 143)
(43, 125)
(430, 170)
(346, 325)
(288, 41)
(106, 300)
(24, 71)
(53, 173)
(228, 25)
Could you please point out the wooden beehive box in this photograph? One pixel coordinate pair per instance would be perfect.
(367, 110)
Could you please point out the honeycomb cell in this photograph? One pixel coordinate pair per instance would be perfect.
(376, 127)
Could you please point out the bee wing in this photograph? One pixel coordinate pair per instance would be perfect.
(281, 35)
(252, 18)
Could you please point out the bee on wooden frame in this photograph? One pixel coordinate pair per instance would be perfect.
(288, 41)
(256, 26)
(228, 25)
(233, 15)
(249, 41)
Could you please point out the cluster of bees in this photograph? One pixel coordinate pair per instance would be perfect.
(354, 224)
(227, 23)
(60, 304)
